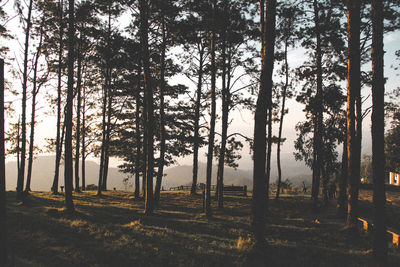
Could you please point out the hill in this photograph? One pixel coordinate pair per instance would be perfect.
(43, 173)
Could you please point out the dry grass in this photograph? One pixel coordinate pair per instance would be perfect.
(112, 231)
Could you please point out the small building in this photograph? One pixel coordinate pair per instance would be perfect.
(394, 178)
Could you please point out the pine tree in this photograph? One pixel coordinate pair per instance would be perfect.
(21, 172)
(379, 243)
(3, 217)
(353, 91)
(260, 120)
(68, 171)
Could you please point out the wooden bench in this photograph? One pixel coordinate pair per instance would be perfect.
(236, 188)
(367, 226)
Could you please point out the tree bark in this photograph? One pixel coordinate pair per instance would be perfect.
(379, 242)
(211, 135)
(278, 149)
(353, 89)
(318, 116)
(162, 115)
(3, 217)
(148, 96)
(54, 187)
(83, 139)
(107, 141)
(68, 170)
(78, 116)
(262, 105)
(21, 177)
(35, 91)
(196, 140)
(138, 167)
(106, 92)
(342, 200)
(18, 146)
(225, 114)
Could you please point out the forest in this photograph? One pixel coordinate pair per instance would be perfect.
(148, 82)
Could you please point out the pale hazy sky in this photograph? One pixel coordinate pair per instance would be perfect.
(242, 121)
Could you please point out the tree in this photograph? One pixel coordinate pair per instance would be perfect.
(148, 106)
(288, 16)
(54, 187)
(263, 103)
(379, 242)
(353, 92)
(392, 141)
(235, 34)
(194, 42)
(211, 135)
(342, 199)
(318, 117)
(21, 172)
(37, 84)
(68, 171)
(321, 34)
(3, 217)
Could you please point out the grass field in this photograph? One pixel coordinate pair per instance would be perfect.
(112, 231)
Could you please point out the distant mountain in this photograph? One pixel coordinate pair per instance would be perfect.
(43, 174)
(182, 175)
(293, 170)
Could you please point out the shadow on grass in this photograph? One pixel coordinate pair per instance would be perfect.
(113, 231)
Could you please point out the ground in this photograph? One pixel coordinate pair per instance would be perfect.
(112, 231)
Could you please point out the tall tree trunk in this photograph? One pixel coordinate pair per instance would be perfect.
(196, 140)
(18, 146)
(225, 114)
(106, 98)
(103, 128)
(35, 91)
(318, 116)
(162, 114)
(269, 149)
(3, 217)
(260, 121)
(54, 187)
(341, 203)
(212, 115)
(21, 177)
(83, 139)
(138, 167)
(278, 150)
(353, 88)
(107, 141)
(144, 150)
(379, 242)
(78, 116)
(148, 90)
(68, 169)
(325, 179)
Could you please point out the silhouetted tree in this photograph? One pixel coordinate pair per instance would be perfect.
(68, 170)
(148, 106)
(288, 15)
(353, 91)
(263, 102)
(211, 135)
(54, 187)
(3, 217)
(37, 84)
(379, 243)
(21, 172)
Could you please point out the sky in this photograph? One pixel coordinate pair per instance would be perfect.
(242, 121)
